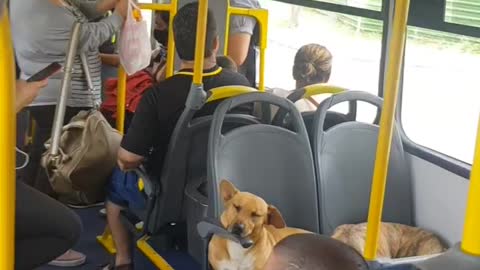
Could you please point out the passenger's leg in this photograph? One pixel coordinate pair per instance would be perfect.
(120, 234)
(45, 229)
(34, 173)
(43, 116)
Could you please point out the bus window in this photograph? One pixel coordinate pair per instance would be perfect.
(441, 97)
(354, 42)
(366, 4)
(465, 12)
(147, 15)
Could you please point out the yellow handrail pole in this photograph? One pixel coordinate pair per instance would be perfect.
(122, 76)
(200, 41)
(471, 231)
(171, 40)
(121, 98)
(322, 88)
(263, 21)
(261, 16)
(227, 28)
(396, 49)
(172, 9)
(7, 145)
(106, 238)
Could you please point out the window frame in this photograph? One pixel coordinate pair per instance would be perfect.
(427, 14)
(417, 19)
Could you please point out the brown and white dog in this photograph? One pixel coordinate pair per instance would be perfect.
(250, 217)
(247, 216)
(395, 240)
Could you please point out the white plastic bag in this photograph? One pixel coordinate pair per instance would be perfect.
(134, 44)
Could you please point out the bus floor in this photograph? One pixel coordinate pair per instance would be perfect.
(93, 225)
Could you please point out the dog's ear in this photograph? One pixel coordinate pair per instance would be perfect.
(228, 190)
(275, 218)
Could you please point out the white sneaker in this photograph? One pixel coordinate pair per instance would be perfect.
(71, 258)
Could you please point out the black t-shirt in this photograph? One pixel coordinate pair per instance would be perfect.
(161, 107)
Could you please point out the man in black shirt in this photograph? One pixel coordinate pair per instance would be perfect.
(156, 117)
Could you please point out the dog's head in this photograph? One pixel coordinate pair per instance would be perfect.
(246, 214)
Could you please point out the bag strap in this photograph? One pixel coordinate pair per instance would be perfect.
(88, 77)
(60, 109)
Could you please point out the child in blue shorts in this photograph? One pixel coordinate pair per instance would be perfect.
(123, 190)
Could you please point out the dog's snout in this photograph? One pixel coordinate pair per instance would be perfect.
(238, 229)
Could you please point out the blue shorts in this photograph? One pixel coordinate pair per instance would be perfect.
(123, 190)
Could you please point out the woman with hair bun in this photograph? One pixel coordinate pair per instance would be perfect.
(312, 65)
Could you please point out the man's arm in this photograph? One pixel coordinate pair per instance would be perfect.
(110, 59)
(94, 8)
(238, 47)
(127, 160)
(103, 6)
(241, 31)
(141, 134)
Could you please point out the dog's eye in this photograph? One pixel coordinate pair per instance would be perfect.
(238, 208)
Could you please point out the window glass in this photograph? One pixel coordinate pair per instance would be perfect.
(365, 4)
(354, 42)
(466, 12)
(147, 15)
(441, 96)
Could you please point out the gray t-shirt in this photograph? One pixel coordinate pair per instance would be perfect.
(242, 24)
(41, 32)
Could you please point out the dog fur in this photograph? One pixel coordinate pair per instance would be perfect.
(395, 240)
(259, 222)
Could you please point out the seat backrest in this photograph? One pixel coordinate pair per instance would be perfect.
(344, 157)
(187, 161)
(269, 161)
(187, 153)
(332, 118)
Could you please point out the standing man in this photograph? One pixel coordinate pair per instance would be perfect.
(242, 40)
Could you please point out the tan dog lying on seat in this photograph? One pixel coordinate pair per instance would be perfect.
(247, 216)
(395, 241)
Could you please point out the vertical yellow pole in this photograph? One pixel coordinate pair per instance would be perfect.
(471, 231)
(263, 48)
(7, 145)
(396, 48)
(171, 40)
(200, 41)
(121, 96)
(172, 10)
(227, 27)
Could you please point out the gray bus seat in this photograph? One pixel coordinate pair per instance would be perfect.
(332, 118)
(185, 160)
(344, 157)
(454, 258)
(269, 161)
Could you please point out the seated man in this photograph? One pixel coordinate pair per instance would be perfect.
(311, 251)
(156, 117)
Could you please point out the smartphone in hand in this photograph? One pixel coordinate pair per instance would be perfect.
(45, 73)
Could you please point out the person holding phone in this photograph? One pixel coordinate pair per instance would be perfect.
(41, 32)
(44, 228)
(42, 39)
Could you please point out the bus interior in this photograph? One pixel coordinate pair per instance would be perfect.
(404, 69)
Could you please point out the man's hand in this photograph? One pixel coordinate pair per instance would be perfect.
(127, 160)
(26, 92)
